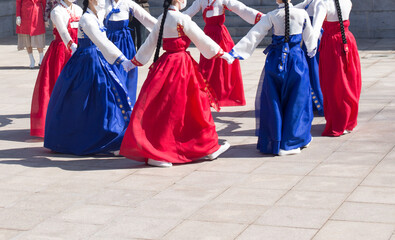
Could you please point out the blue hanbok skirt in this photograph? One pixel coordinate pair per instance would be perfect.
(284, 110)
(89, 109)
(118, 33)
(316, 94)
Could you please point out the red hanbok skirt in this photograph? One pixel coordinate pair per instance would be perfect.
(340, 78)
(54, 60)
(171, 120)
(224, 78)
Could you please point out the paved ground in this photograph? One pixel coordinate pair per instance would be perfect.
(337, 189)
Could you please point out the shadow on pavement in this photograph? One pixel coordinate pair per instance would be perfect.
(17, 68)
(6, 119)
(37, 157)
(19, 135)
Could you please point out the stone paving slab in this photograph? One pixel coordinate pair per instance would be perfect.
(337, 189)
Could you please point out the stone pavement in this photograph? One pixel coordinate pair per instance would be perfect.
(337, 189)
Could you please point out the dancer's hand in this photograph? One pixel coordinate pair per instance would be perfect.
(47, 24)
(128, 65)
(228, 58)
(312, 53)
(73, 48)
(18, 21)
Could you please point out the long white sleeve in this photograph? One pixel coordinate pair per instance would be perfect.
(248, 14)
(91, 28)
(146, 50)
(302, 5)
(142, 15)
(308, 35)
(193, 9)
(60, 20)
(246, 46)
(319, 18)
(205, 44)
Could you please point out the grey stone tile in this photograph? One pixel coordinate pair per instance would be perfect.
(205, 230)
(51, 229)
(276, 233)
(131, 227)
(144, 182)
(366, 147)
(9, 197)
(346, 230)
(341, 170)
(175, 171)
(294, 217)
(8, 234)
(20, 219)
(267, 181)
(366, 212)
(49, 202)
(211, 180)
(90, 214)
(251, 196)
(380, 179)
(286, 168)
(120, 197)
(355, 158)
(327, 184)
(165, 208)
(229, 212)
(237, 165)
(305, 199)
(179, 191)
(373, 195)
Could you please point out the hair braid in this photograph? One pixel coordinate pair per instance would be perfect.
(85, 5)
(339, 15)
(286, 38)
(166, 5)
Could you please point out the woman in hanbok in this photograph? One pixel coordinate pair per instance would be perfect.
(116, 21)
(284, 113)
(65, 17)
(89, 107)
(225, 79)
(30, 27)
(171, 120)
(310, 6)
(340, 68)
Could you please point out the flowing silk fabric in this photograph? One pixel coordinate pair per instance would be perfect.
(340, 76)
(54, 60)
(224, 78)
(286, 113)
(88, 111)
(316, 93)
(32, 17)
(171, 120)
(118, 33)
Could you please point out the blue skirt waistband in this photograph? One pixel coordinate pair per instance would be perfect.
(117, 25)
(85, 42)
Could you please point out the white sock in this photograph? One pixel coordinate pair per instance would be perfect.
(41, 57)
(32, 61)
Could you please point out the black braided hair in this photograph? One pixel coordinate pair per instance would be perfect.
(286, 38)
(339, 15)
(85, 5)
(166, 5)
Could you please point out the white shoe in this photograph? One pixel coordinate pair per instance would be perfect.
(156, 163)
(115, 153)
(346, 132)
(307, 145)
(288, 152)
(220, 150)
(32, 64)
